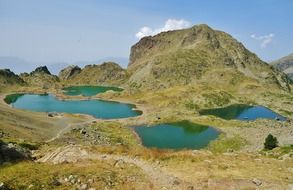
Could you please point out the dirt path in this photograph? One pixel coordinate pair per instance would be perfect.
(59, 133)
(67, 128)
(160, 178)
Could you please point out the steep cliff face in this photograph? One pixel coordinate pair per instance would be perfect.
(197, 54)
(69, 72)
(106, 73)
(40, 77)
(285, 64)
(8, 78)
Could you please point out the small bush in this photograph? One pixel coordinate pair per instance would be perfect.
(271, 142)
(191, 105)
(29, 146)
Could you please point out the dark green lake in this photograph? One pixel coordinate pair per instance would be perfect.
(49, 103)
(243, 112)
(179, 135)
(89, 90)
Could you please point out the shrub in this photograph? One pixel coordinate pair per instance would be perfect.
(271, 142)
(191, 105)
(29, 146)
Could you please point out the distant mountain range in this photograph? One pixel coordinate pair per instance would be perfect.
(285, 64)
(18, 65)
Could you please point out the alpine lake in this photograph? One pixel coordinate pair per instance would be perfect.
(178, 135)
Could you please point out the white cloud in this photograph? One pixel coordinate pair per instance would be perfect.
(170, 24)
(265, 39)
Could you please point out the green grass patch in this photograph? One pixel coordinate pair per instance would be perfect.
(191, 105)
(12, 98)
(224, 144)
(218, 99)
(41, 175)
(29, 146)
(116, 133)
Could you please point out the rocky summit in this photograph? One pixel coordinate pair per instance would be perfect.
(69, 72)
(195, 55)
(40, 77)
(106, 73)
(285, 64)
(8, 78)
(41, 70)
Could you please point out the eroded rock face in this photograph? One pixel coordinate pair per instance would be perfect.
(69, 72)
(197, 54)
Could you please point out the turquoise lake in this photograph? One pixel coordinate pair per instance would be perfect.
(179, 135)
(243, 112)
(89, 90)
(49, 103)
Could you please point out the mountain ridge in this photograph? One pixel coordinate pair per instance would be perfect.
(189, 55)
(40, 77)
(105, 73)
(196, 55)
(285, 64)
(9, 78)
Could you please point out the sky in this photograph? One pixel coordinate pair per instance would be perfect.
(74, 31)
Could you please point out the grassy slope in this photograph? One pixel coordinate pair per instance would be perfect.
(202, 169)
(31, 126)
(176, 103)
(101, 173)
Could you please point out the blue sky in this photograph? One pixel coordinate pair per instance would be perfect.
(50, 31)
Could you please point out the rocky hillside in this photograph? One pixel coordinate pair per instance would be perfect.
(285, 64)
(198, 55)
(69, 72)
(40, 77)
(8, 78)
(106, 73)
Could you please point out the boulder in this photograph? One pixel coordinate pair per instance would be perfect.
(257, 182)
(3, 186)
(12, 153)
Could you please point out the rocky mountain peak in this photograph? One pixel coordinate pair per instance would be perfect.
(69, 72)
(8, 77)
(6, 72)
(285, 64)
(191, 55)
(170, 40)
(40, 77)
(42, 69)
(110, 65)
(102, 74)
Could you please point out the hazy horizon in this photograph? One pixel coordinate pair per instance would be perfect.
(18, 65)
